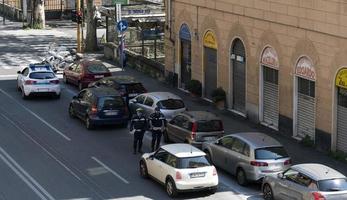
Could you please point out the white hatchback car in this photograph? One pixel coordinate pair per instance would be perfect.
(180, 167)
(38, 79)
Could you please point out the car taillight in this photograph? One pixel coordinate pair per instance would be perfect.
(259, 164)
(29, 82)
(94, 109)
(288, 162)
(178, 176)
(54, 81)
(214, 171)
(318, 196)
(194, 129)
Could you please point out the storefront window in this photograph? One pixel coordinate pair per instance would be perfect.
(306, 87)
(270, 75)
(342, 97)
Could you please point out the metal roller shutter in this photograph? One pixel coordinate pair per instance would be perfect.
(210, 65)
(306, 116)
(341, 128)
(270, 109)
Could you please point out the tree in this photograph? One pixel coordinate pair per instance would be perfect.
(38, 20)
(91, 41)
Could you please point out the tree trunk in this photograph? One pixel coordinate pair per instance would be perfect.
(91, 41)
(38, 15)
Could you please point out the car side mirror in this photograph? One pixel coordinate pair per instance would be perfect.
(151, 157)
(70, 68)
(19, 72)
(134, 101)
(55, 71)
(280, 176)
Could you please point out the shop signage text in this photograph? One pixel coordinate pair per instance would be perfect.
(210, 40)
(270, 58)
(341, 78)
(305, 69)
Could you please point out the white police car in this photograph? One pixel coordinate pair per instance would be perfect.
(38, 79)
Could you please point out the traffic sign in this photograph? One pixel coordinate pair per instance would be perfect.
(122, 25)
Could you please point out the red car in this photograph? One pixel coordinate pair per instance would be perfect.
(83, 72)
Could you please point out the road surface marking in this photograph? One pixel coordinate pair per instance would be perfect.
(43, 148)
(110, 170)
(30, 181)
(38, 117)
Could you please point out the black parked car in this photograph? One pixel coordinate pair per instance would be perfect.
(99, 106)
(127, 86)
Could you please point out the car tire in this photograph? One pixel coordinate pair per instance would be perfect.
(89, 124)
(71, 112)
(166, 137)
(24, 96)
(18, 88)
(241, 177)
(170, 188)
(143, 169)
(267, 192)
(80, 86)
(65, 79)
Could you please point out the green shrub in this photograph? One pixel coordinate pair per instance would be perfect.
(194, 87)
(339, 155)
(218, 95)
(307, 141)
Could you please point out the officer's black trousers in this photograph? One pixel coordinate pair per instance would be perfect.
(156, 137)
(138, 137)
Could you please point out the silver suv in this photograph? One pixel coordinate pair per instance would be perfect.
(194, 127)
(249, 156)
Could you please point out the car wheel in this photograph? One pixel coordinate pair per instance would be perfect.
(143, 169)
(241, 177)
(24, 96)
(171, 188)
(267, 192)
(166, 137)
(65, 79)
(80, 86)
(89, 124)
(71, 112)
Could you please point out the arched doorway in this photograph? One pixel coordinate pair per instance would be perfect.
(185, 56)
(238, 64)
(210, 64)
(341, 118)
(305, 99)
(269, 90)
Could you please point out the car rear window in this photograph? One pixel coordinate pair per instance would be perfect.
(209, 126)
(97, 68)
(41, 75)
(106, 103)
(135, 88)
(333, 185)
(171, 104)
(193, 162)
(269, 153)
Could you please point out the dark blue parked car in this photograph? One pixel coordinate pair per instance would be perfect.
(99, 106)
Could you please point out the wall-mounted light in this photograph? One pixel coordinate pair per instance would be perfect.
(196, 34)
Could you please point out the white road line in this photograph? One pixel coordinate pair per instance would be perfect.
(21, 173)
(110, 170)
(38, 117)
(43, 148)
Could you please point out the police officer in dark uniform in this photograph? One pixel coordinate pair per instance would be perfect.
(138, 127)
(157, 124)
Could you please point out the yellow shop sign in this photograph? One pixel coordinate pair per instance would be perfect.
(210, 40)
(341, 78)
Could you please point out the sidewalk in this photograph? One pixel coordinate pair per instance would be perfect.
(234, 123)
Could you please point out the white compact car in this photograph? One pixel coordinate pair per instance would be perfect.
(38, 79)
(180, 167)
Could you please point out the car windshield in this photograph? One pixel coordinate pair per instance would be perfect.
(270, 153)
(42, 75)
(110, 103)
(171, 104)
(209, 125)
(97, 68)
(193, 162)
(338, 184)
(135, 88)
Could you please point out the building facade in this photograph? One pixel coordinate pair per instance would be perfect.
(282, 63)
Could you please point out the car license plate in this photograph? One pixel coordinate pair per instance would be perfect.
(43, 89)
(99, 76)
(133, 95)
(210, 138)
(197, 175)
(111, 113)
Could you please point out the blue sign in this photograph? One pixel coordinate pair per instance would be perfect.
(122, 25)
(184, 32)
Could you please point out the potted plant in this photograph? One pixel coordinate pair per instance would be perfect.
(218, 97)
(194, 87)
